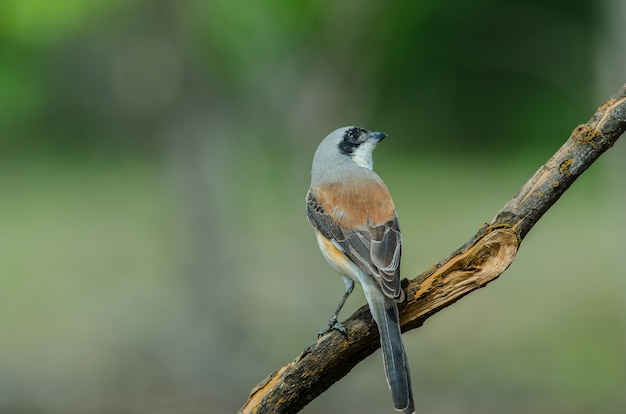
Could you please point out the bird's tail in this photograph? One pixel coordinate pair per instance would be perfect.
(385, 313)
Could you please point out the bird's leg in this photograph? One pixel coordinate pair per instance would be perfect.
(333, 323)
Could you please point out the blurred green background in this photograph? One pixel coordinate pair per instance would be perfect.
(154, 156)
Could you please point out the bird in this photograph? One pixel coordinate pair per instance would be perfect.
(356, 227)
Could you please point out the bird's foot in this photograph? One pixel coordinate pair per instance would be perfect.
(333, 324)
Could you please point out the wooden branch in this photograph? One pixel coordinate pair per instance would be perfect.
(474, 265)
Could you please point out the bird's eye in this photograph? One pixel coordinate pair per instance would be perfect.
(351, 140)
(353, 134)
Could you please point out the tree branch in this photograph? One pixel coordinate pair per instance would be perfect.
(481, 260)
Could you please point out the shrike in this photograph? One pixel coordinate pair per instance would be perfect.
(357, 231)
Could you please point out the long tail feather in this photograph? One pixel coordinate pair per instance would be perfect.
(385, 313)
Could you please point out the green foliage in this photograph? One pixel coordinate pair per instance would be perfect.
(22, 98)
(42, 23)
(446, 76)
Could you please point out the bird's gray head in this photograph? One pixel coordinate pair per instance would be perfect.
(345, 148)
(344, 153)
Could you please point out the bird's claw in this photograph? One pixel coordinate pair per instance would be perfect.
(333, 324)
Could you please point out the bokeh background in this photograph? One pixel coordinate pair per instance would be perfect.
(154, 156)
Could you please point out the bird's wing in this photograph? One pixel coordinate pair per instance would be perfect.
(372, 243)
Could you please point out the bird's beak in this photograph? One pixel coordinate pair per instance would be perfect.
(376, 136)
